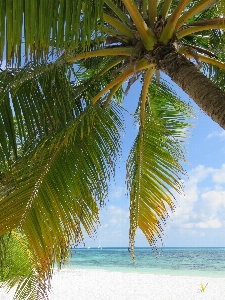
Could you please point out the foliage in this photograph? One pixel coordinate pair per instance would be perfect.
(152, 167)
(61, 119)
(17, 266)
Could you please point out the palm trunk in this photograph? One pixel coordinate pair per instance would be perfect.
(209, 97)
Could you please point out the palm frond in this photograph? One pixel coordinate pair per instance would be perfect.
(38, 26)
(34, 102)
(55, 191)
(38, 100)
(196, 8)
(17, 267)
(153, 167)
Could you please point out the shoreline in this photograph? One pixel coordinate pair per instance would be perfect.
(100, 284)
(156, 271)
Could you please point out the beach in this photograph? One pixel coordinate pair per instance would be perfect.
(86, 284)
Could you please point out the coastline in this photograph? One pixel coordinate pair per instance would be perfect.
(99, 284)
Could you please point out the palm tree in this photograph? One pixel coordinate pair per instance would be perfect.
(61, 117)
(56, 168)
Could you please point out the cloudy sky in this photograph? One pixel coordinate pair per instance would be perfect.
(199, 220)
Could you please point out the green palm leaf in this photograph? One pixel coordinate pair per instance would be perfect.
(17, 267)
(153, 167)
(53, 193)
(47, 24)
(35, 102)
(40, 99)
(209, 42)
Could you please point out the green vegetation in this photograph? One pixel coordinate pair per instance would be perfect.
(61, 118)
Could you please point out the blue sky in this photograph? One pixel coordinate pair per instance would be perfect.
(199, 220)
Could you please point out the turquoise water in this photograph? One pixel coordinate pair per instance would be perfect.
(209, 262)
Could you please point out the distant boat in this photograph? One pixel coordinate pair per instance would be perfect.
(99, 247)
(88, 247)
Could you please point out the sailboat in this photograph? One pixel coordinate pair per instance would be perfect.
(99, 247)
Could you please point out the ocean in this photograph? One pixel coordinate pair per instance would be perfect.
(207, 262)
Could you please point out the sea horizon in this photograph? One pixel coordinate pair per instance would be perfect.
(182, 261)
(163, 247)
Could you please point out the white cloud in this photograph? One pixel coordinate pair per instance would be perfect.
(114, 216)
(201, 207)
(191, 195)
(209, 224)
(200, 211)
(202, 225)
(214, 201)
(221, 135)
(188, 225)
(218, 175)
(198, 174)
(115, 210)
(214, 224)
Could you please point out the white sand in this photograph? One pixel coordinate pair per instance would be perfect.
(99, 284)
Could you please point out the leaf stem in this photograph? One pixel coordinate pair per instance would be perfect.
(165, 8)
(141, 65)
(109, 66)
(113, 91)
(152, 12)
(145, 8)
(102, 72)
(147, 35)
(220, 21)
(203, 58)
(169, 29)
(148, 77)
(123, 17)
(193, 29)
(119, 26)
(108, 30)
(199, 7)
(125, 51)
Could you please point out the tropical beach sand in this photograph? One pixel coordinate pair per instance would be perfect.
(99, 284)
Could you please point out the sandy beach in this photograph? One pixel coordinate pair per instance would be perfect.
(101, 285)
